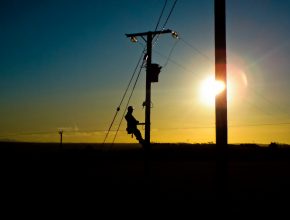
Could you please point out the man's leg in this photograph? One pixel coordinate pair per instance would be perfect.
(138, 135)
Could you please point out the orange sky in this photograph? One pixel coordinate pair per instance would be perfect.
(69, 71)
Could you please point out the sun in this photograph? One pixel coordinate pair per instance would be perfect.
(209, 89)
(236, 86)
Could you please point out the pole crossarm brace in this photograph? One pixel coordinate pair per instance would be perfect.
(149, 32)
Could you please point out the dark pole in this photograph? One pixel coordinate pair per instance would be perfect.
(221, 73)
(148, 89)
(60, 133)
(221, 99)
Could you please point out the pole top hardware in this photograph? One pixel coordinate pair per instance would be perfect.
(133, 37)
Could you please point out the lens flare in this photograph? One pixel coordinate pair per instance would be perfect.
(209, 89)
(236, 86)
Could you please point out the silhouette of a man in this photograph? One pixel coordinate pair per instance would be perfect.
(132, 125)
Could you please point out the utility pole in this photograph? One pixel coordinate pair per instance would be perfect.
(148, 90)
(60, 133)
(221, 73)
(221, 100)
(150, 69)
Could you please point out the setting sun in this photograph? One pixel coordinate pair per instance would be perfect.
(209, 89)
(237, 83)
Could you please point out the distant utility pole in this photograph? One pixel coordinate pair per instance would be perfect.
(150, 70)
(221, 73)
(60, 134)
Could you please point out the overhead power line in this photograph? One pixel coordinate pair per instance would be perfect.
(170, 53)
(172, 8)
(231, 126)
(124, 95)
(166, 21)
(165, 3)
(197, 50)
(261, 124)
(118, 108)
(211, 61)
(160, 128)
(129, 99)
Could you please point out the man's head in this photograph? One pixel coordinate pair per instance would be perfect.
(130, 109)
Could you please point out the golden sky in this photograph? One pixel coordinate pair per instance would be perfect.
(69, 71)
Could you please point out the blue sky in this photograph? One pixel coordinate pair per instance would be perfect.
(66, 64)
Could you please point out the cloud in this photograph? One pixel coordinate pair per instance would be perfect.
(69, 129)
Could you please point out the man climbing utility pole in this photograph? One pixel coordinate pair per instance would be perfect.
(149, 74)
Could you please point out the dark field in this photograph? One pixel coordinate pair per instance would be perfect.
(251, 178)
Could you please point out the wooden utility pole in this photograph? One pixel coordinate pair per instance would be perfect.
(149, 38)
(221, 73)
(148, 90)
(221, 100)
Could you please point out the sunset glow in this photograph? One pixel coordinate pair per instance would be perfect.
(70, 71)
